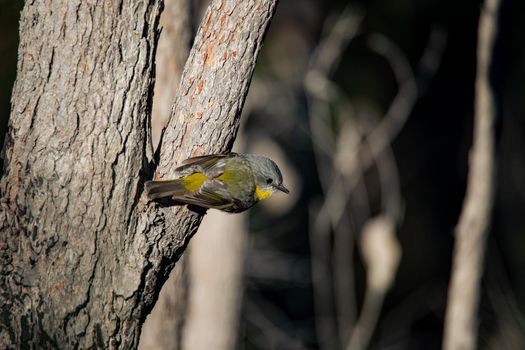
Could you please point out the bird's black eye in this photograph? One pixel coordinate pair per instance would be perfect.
(269, 181)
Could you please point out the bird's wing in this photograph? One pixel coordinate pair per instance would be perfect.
(211, 164)
(205, 159)
(212, 194)
(230, 189)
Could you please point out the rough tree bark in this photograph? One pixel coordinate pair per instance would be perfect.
(83, 254)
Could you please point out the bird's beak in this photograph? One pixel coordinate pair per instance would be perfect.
(282, 188)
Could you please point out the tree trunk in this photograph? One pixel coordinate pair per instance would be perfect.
(83, 253)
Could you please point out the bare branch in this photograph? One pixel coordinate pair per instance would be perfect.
(215, 81)
(381, 254)
(473, 225)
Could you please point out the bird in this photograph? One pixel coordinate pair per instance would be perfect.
(231, 182)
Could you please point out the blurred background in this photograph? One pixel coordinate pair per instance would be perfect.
(367, 106)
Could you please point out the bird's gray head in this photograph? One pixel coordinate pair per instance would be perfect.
(267, 173)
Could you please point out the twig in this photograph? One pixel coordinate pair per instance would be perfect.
(320, 89)
(472, 229)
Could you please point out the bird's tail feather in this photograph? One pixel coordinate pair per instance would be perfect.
(167, 188)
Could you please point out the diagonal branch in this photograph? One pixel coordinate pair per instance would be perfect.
(204, 120)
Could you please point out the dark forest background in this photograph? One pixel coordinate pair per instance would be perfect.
(430, 152)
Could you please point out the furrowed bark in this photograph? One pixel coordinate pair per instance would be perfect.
(83, 253)
(74, 158)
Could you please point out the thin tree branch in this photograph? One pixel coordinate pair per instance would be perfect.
(381, 254)
(473, 226)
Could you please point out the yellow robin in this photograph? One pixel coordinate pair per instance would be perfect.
(230, 182)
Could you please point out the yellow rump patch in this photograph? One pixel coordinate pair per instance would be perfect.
(226, 177)
(194, 181)
(261, 194)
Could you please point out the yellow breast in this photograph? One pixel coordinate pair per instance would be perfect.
(262, 194)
